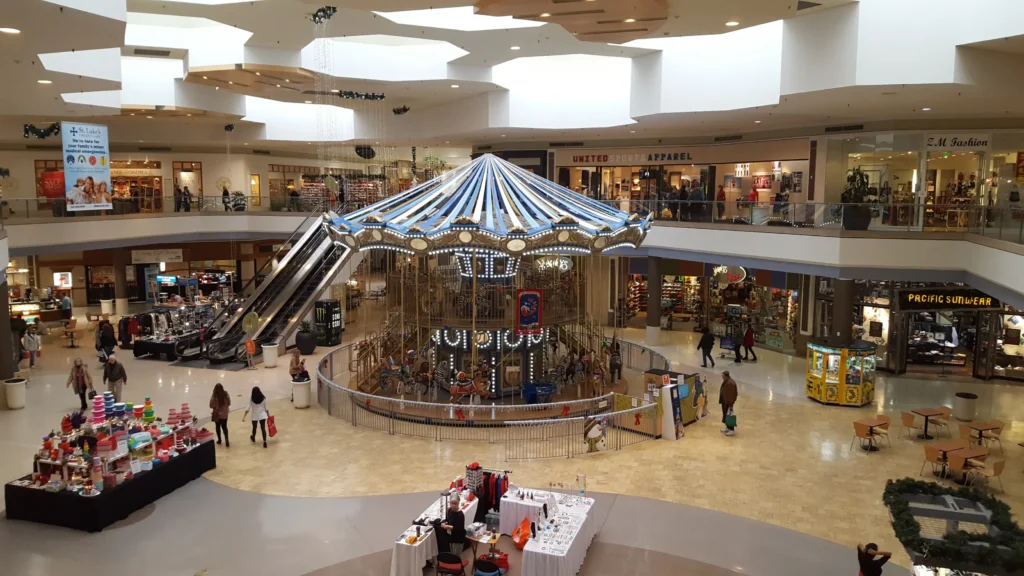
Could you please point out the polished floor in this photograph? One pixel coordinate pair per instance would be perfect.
(790, 469)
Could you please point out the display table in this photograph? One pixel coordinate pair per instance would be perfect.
(93, 514)
(409, 559)
(160, 347)
(513, 510)
(557, 552)
(841, 374)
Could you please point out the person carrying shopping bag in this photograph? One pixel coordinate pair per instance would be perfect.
(260, 413)
(727, 395)
(80, 382)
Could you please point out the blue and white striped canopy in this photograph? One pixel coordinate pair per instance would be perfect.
(487, 202)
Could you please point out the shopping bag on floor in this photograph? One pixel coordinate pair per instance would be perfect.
(521, 534)
(271, 426)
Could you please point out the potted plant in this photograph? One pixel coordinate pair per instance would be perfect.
(306, 338)
(856, 212)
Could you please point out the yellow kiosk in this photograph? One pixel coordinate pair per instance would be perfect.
(843, 375)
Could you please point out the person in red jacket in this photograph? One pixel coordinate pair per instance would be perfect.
(753, 195)
(720, 201)
(748, 343)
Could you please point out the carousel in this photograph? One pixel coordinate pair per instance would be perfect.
(489, 287)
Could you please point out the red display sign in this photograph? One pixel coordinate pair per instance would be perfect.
(51, 185)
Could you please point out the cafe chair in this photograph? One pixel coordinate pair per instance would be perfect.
(943, 421)
(967, 434)
(882, 430)
(990, 437)
(907, 420)
(863, 433)
(978, 462)
(996, 471)
(932, 456)
(450, 564)
(959, 464)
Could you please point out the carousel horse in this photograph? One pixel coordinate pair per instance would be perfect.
(597, 380)
(421, 379)
(464, 386)
(438, 378)
(390, 377)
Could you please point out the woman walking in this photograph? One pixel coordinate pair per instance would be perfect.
(220, 403)
(80, 381)
(260, 413)
(31, 343)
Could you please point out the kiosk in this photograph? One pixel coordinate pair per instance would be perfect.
(841, 374)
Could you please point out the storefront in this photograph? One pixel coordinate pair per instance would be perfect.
(637, 178)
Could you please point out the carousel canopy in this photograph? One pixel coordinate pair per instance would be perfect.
(492, 205)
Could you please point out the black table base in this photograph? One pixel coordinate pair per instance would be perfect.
(96, 513)
(156, 349)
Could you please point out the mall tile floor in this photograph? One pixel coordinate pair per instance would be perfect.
(790, 467)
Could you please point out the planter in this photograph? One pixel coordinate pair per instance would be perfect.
(856, 217)
(305, 342)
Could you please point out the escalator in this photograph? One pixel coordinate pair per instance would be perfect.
(284, 298)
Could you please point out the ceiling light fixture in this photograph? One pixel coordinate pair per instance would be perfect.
(757, 121)
(309, 101)
(632, 131)
(257, 73)
(10, 30)
(230, 82)
(732, 23)
(629, 20)
(216, 87)
(335, 91)
(132, 114)
(287, 80)
(278, 85)
(150, 117)
(447, 142)
(514, 48)
(45, 81)
(502, 135)
(205, 78)
(545, 15)
(455, 85)
(926, 109)
(188, 115)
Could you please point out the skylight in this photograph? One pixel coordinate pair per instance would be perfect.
(462, 18)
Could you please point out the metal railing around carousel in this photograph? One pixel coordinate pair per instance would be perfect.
(634, 356)
(527, 431)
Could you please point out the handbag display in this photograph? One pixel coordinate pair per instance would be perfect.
(271, 426)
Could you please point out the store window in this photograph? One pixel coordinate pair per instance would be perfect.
(49, 179)
(254, 189)
(952, 184)
(189, 174)
(140, 181)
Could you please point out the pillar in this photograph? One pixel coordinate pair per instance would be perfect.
(653, 337)
(7, 363)
(842, 312)
(121, 262)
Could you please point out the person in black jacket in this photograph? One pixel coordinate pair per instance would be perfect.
(455, 525)
(707, 342)
(871, 559)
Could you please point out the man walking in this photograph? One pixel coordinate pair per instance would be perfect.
(727, 395)
(871, 559)
(707, 342)
(114, 377)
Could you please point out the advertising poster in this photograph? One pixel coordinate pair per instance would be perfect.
(677, 412)
(86, 166)
(51, 185)
(529, 315)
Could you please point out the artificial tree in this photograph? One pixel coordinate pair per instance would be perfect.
(856, 212)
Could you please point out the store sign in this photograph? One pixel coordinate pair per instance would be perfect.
(729, 274)
(942, 142)
(945, 299)
(559, 263)
(632, 159)
(86, 166)
(154, 256)
(62, 279)
(129, 172)
(774, 337)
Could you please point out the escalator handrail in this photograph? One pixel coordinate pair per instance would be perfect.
(316, 212)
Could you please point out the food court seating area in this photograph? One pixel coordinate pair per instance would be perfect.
(964, 460)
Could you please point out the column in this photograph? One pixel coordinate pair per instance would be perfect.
(7, 363)
(653, 301)
(121, 262)
(842, 312)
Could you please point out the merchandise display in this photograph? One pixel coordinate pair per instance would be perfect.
(843, 375)
(422, 541)
(935, 340)
(1009, 359)
(108, 455)
(636, 301)
(170, 331)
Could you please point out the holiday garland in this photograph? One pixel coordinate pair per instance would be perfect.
(401, 110)
(42, 133)
(349, 95)
(1003, 547)
(323, 14)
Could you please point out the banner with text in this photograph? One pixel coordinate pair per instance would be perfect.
(86, 166)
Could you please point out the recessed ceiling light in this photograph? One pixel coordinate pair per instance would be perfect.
(257, 73)
(205, 78)
(287, 80)
(150, 117)
(632, 131)
(335, 91)
(187, 114)
(309, 101)
(132, 114)
(10, 30)
(216, 87)
(732, 23)
(629, 20)
(447, 142)
(502, 135)
(514, 48)
(376, 142)
(455, 85)
(278, 85)
(757, 121)
(45, 81)
(308, 142)
(230, 82)
(246, 144)
(140, 140)
(545, 15)
(926, 109)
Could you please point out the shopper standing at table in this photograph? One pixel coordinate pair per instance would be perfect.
(748, 343)
(65, 307)
(220, 403)
(260, 413)
(225, 199)
(80, 382)
(871, 559)
(114, 377)
(727, 396)
(706, 344)
(455, 524)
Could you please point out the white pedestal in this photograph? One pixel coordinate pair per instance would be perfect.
(121, 306)
(15, 393)
(300, 394)
(269, 355)
(653, 336)
(107, 307)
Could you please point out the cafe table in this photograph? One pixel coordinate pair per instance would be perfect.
(981, 428)
(927, 413)
(873, 423)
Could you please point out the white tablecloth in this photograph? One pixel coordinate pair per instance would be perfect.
(557, 553)
(580, 506)
(409, 559)
(513, 510)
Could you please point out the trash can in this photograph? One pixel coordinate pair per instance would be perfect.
(15, 390)
(964, 406)
(107, 307)
(269, 355)
(300, 394)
